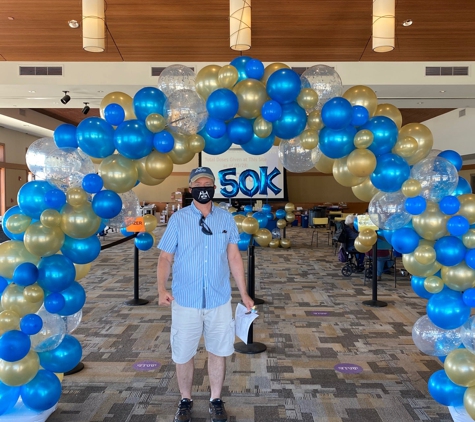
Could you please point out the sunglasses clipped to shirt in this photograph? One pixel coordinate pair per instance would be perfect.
(204, 227)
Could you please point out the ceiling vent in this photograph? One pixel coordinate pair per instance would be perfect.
(447, 71)
(41, 71)
(156, 71)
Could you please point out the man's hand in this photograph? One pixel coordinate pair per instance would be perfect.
(165, 298)
(247, 302)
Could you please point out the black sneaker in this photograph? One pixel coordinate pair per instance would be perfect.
(183, 413)
(217, 411)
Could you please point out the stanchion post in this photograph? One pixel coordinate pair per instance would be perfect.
(374, 302)
(136, 301)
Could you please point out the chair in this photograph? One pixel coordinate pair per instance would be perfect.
(320, 222)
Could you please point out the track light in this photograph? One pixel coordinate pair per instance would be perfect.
(66, 98)
(86, 108)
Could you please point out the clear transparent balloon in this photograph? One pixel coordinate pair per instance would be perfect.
(323, 79)
(438, 177)
(36, 156)
(435, 341)
(275, 233)
(386, 210)
(185, 112)
(468, 334)
(72, 321)
(130, 210)
(294, 157)
(176, 77)
(51, 334)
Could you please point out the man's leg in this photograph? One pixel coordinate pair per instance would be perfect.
(184, 375)
(216, 373)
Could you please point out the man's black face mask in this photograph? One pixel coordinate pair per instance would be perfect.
(203, 194)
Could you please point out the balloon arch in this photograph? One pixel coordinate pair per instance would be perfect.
(417, 199)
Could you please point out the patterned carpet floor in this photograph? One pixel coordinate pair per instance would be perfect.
(313, 319)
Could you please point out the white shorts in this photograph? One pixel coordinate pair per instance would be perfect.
(189, 324)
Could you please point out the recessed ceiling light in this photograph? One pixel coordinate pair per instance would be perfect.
(32, 92)
(11, 18)
(420, 102)
(73, 24)
(407, 22)
(443, 90)
(100, 92)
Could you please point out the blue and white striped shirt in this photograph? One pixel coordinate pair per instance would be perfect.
(200, 277)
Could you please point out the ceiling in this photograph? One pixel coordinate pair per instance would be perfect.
(186, 31)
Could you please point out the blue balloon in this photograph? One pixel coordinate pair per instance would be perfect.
(449, 250)
(469, 294)
(31, 198)
(14, 345)
(125, 233)
(385, 134)
(458, 225)
(254, 189)
(449, 204)
(222, 104)
(163, 142)
(337, 113)
(360, 115)
(54, 303)
(447, 309)
(444, 391)
(415, 205)
(454, 157)
(55, 273)
(107, 204)
(114, 114)
(470, 261)
(12, 211)
(3, 284)
(292, 122)
(244, 241)
(254, 69)
(388, 234)
(148, 100)
(215, 146)
(271, 111)
(65, 136)
(240, 64)
(133, 140)
(280, 214)
(462, 188)
(390, 173)
(31, 324)
(74, 297)
(96, 137)
(215, 127)
(8, 397)
(25, 274)
(261, 219)
(248, 208)
(266, 208)
(337, 143)
(42, 392)
(417, 284)
(405, 240)
(81, 251)
(92, 183)
(55, 198)
(240, 130)
(144, 241)
(258, 146)
(64, 357)
(283, 86)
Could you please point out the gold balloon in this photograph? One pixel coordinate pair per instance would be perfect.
(424, 138)
(118, 173)
(281, 223)
(307, 98)
(360, 247)
(467, 206)
(468, 239)
(431, 223)
(250, 225)
(143, 176)
(96, 160)
(270, 69)
(43, 241)
(367, 237)
(155, 122)
(150, 222)
(21, 371)
(324, 164)
(76, 196)
(181, 153)
(289, 207)
(309, 139)
(425, 254)
(274, 243)
(50, 218)
(79, 222)
(123, 100)
(290, 216)
(206, 80)
(262, 128)
(459, 366)
(227, 76)
(12, 254)
(433, 284)
(158, 165)
(82, 270)
(250, 214)
(14, 300)
(263, 237)
(363, 138)
(405, 147)
(238, 219)
(17, 223)
(285, 243)
(365, 191)
(469, 401)
(251, 95)
(390, 111)
(416, 268)
(314, 120)
(196, 143)
(232, 210)
(342, 174)
(9, 320)
(363, 96)
(411, 188)
(459, 277)
(361, 162)
(34, 293)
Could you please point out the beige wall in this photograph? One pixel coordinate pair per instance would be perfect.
(15, 179)
(16, 144)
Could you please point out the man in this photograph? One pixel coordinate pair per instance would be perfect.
(202, 239)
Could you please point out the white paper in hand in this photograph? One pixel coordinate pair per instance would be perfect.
(243, 321)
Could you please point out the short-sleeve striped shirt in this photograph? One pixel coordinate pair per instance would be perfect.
(200, 277)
